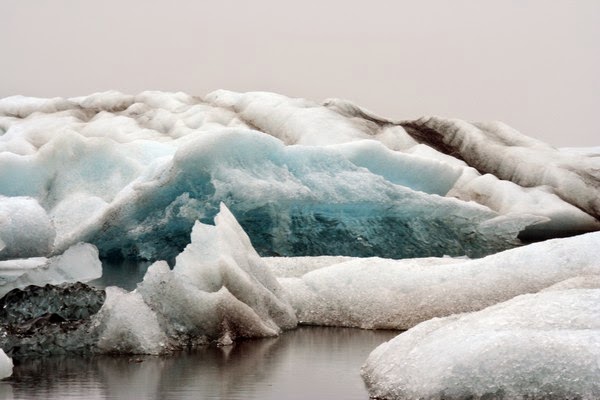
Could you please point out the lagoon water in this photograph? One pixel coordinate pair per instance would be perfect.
(306, 363)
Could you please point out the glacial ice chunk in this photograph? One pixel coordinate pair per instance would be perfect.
(232, 287)
(398, 294)
(49, 319)
(294, 200)
(128, 325)
(79, 262)
(6, 365)
(544, 345)
(132, 174)
(219, 290)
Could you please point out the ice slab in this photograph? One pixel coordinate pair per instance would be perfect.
(6, 365)
(398, 294)
(542, 346)
(80, 262)
(294, 200)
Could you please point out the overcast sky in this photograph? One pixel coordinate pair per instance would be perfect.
(534, 64)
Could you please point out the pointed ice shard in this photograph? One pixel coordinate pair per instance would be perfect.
(6, 365)
(219, 290)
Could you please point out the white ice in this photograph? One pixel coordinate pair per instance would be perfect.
(220, 289)
(25, 228)
(289, 267)
(544, 345)
(129, 325)
(6, 365)
(398, 294)
(80, 263)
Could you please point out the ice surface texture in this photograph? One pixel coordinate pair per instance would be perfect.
(49, 320)
(536, 346)
(25, 228)
(132, 174)
(219, 290)
(398, 294)
(497, 149)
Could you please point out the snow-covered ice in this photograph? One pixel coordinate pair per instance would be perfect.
(398, 294)
(539, 346)
(25, 228)
(502, 151)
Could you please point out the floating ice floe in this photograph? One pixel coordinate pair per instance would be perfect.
(219, 290)
(398, 294)
(132, 174)
(79, 262)
(537, 346)
(6, 365)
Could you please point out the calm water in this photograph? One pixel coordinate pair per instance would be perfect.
(307, 363)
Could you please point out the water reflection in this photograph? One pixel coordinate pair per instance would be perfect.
(307, 363)
(123, 273)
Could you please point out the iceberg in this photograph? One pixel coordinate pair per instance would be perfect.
(132, 174)
(219, 290)
(539, 346)
(376, 293)
(367, 222)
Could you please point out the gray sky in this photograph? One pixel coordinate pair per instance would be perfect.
(534, 64)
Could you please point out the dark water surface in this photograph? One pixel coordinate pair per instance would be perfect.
(306, 363)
